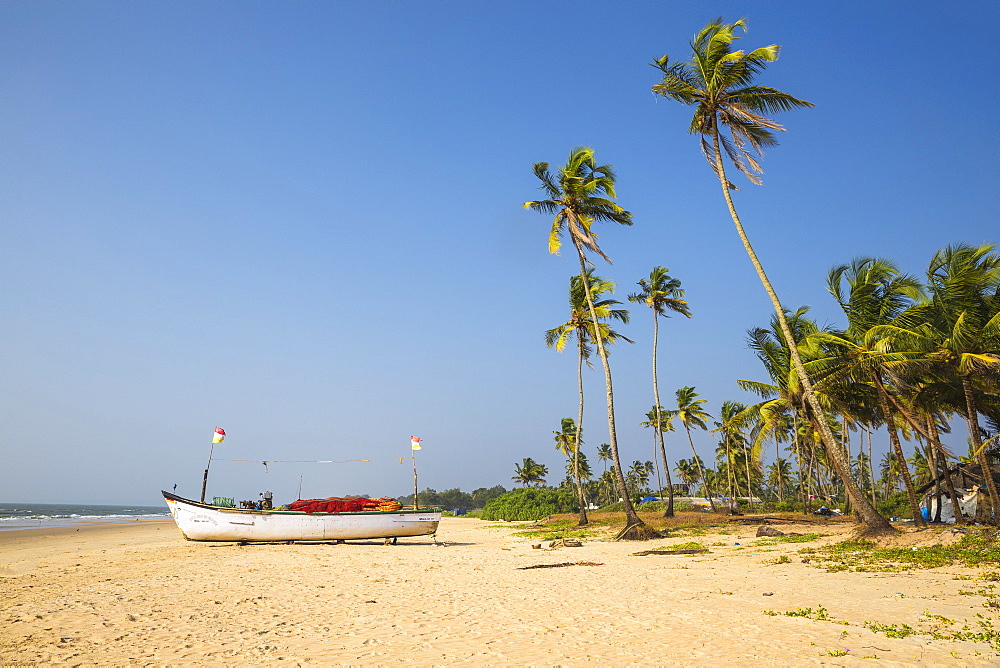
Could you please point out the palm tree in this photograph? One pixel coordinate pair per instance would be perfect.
(690, 413)
(719, 83)
(529, 471)
(876, 294)
(689, 471)
(662, 422)
(604, 454)
(569, 438)
(582, 193)
(661, 294)
(779, 476)
(581, 326)
(734, 418)
(962, 334)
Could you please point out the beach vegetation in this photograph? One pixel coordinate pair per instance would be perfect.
(975, 549)
(779, 540)
(530, 503)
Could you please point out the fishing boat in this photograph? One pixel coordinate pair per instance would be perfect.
(206, 522)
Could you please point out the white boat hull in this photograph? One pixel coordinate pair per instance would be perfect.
(201, 521)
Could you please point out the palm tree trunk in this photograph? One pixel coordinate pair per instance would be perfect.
(904, 470)
(871, 463)
(972, 420)
(897, 448)
(579, 435)
(701, 471)
(948, 482)
(872, 522)
(933, 468)
(669, 512)
(634, 525)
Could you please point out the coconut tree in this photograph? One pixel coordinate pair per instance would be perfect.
(779, 477)
(663, 295)
(662, 422)
(581, 327)
(873, 293)
(733, 421)
(580, 193)
(691, 413)
(604, 454)
(529, 471)
(958, 330)
(569, 439)
(730, 116)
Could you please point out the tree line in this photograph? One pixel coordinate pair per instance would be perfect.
(913, 355)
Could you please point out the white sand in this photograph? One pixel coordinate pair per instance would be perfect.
(139, 594)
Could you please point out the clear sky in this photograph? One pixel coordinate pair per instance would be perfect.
(302, 222)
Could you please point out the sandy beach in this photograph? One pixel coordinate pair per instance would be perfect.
(138, 594)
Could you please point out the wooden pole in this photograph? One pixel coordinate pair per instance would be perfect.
(204, 480)
(414, 458)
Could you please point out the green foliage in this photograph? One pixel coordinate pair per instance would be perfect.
(530, 503)
(776, 540)
(975, 549)
(897, 505)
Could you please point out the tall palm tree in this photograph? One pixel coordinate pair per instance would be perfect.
(581, 193)
(582, 327)
(730, 117)
(691, 414)
(529, 471)
(662, 294)
(569, 439)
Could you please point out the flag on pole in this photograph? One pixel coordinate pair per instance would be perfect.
(219, 436)
(415, 443)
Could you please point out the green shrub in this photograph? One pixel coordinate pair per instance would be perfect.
(530, 503)
(896, 505)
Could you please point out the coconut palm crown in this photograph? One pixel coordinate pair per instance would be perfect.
(718, 82)
(578, 195)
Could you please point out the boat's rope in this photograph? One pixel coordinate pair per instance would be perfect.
(265, 462)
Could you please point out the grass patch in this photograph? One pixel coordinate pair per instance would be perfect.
(778, 540)
(941, 629)
(973, 550)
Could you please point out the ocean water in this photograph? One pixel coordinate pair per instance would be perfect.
(42, 515)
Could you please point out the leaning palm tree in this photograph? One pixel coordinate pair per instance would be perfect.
(581, 193)
(662, 294)
(582, 327)
(691, 414)
(730, 117)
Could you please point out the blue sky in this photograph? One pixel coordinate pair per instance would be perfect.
(302, 222)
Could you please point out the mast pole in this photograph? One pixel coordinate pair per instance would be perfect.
(204, 480)
(413, 457)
